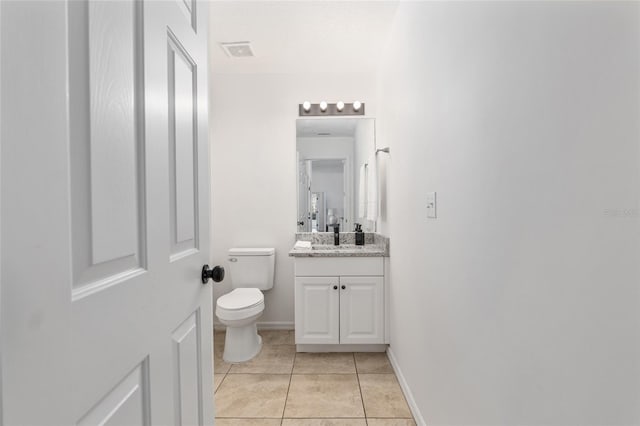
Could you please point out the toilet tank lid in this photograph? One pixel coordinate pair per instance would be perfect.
(252, 251)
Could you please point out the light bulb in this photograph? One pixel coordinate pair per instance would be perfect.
(306, 105)
(323, 106)
(356, 105)
(340, 106)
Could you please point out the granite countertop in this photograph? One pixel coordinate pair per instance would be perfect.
(322, 245)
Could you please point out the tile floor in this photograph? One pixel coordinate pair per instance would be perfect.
(282, 387)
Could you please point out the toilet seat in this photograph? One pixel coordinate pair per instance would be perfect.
(239, 304)
(240, 298)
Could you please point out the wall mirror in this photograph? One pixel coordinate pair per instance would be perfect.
(332, 158)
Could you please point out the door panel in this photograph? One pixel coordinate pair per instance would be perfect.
(362, 310)
(188, 372)
(183, 153)
(112, 128)
(188, 7)
(127, 403)
(317, 310)
(106, 143)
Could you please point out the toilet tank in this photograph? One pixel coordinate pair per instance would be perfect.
(252, 267)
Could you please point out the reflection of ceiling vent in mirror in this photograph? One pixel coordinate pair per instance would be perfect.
(237, 49)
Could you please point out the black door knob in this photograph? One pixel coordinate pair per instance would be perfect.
(216, 274)
(335, 287)
(344, 287)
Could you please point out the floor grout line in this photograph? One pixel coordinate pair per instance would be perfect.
(224, 376)
(364, 410)
(288, 388)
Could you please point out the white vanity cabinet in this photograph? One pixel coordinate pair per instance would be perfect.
(339, 300)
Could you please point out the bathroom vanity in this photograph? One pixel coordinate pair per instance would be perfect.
(341, 289)
(341, 301)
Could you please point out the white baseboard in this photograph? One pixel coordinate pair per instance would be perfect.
(266, 325)
(417, 415)
(275, 325)
(341, 348)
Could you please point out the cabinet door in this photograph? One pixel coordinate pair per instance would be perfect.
(317, 310)
(361, 310)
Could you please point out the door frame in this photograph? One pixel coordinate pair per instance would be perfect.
(1, 325)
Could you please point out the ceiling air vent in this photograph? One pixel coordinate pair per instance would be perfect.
(237, 49)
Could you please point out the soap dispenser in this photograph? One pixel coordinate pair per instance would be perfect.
(359, 235)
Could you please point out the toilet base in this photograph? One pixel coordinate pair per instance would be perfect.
(241, 343)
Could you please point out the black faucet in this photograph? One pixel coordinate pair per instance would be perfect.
(336, 234)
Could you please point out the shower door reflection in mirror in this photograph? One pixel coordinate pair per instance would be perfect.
(330, 153)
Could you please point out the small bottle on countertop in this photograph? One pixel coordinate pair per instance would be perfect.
(359, 235)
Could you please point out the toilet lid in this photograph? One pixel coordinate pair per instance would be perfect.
(241, 298)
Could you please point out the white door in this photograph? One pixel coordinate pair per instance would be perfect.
(104, 216)
(317, 301)
(361, 310)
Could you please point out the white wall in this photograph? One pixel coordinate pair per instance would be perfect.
(253, 164)
(520, 303)
(325, 148)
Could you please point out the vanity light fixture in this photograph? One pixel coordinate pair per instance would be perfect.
(325, 108)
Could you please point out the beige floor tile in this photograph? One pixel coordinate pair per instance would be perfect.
(390, 422)
(277, 337)
(218, 340)
(373, 362)
(217, 379)
(382, 396)
(247, 422)
(324, 363)
(324, 396)
(219, 365)
(252, 395)
(324, 422)
(276, 359)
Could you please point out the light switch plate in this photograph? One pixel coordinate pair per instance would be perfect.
(431, 205)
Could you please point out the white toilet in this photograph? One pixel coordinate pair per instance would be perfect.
(251, 270)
